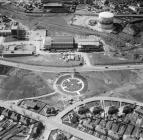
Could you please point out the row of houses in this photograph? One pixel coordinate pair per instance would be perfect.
(107, 121)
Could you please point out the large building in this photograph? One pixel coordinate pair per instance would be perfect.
(68, 5)
(89, 44)
(66, 43)
(59, 42)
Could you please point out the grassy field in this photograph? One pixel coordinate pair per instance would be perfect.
(101, 59)
(124, 84)
(23, 84)
(54, 60)
(102, 82)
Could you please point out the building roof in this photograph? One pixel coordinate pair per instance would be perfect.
(87, 39)
(53, 4)
(113, 135)
(100, 130)
(56, 1)
(50, 1)
(62, 39)
(86, 124)
(106, 15)
(48, 41)
(89, 43)
(139, 110)
(1, 39)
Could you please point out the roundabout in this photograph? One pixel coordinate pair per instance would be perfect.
(71, 84)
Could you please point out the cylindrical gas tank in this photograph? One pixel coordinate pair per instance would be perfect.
(105, 20)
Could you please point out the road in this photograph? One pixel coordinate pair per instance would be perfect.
(101, 98)
(116, 16)
(39, 14)
(55, 123)
(71, 69)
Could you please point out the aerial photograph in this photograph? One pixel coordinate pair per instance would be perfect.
(71, 69)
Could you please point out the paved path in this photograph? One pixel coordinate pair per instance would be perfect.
(32, 98)
(42, 96)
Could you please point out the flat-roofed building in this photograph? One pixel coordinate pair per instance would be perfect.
(90, 43)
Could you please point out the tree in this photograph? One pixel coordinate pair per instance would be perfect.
(18, 117)
(38, 130)
(27, 121)
(9, 113)
(51, 110)
(96, 110)
(113, 110)
(128, 109)
(61, 136)
(1, 110)
(74, 118)
(83, 110)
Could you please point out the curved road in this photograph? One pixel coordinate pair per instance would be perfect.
(49, 123)
(55, 123)
(101, 98)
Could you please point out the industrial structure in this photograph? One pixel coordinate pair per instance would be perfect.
(105, 20)
(89, 44)
(102, 22)
(16, 48)
(12, 28)
(18, 32)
